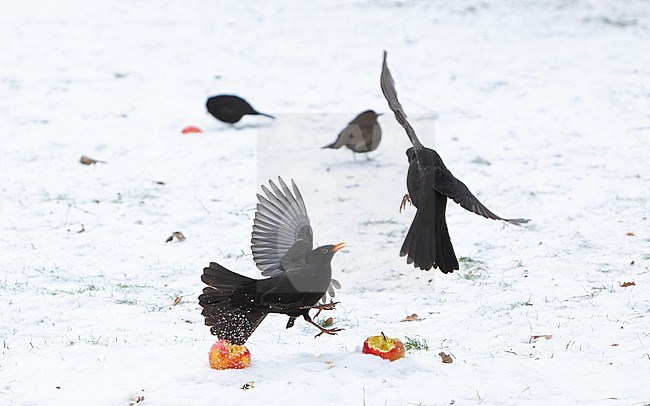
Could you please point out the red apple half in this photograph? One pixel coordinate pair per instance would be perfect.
(191, 129)
(384, 347)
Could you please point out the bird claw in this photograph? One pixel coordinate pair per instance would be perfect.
(405, 199)
(332, 331)
(322, 306)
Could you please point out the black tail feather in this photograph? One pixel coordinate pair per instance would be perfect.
(427, 243)
(227, 302)
(264, 114)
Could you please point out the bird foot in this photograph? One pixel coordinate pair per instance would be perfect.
(332, 331)
(323, 330)
(405, 199)
(322, 306)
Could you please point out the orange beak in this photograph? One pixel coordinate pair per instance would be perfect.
(338, 246)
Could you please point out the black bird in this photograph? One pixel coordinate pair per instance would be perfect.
(299, 276)
(363, 134)
(430, 183)
(230, 109)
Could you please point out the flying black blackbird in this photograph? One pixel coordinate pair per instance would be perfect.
(299, 276)
(430, 183)
(363, 134)
(230, 109)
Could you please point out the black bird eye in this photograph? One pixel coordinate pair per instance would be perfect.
(324, 250)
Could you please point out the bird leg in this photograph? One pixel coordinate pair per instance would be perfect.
(405, 199)
(331, 331)
(322, 306)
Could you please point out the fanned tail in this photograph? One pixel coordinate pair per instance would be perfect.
(226, 303)
(427, 243)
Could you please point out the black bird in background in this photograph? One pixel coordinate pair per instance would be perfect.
(230, 109)
(429, 184)
(363, 134)
(299, 276)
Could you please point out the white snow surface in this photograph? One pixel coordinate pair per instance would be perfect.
(540, 107)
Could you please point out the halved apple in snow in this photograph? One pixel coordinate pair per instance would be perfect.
(191, 129)
(224, 355)
(384, 347)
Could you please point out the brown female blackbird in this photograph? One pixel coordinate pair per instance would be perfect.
(363, 134)
(430, 183)
(230, 109)
(299, 276)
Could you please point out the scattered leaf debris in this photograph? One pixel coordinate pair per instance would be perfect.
(413, 317)
(627, 284)
(159, 182)
(614, 344)
(137, 398)
(534, 338)
(178, 235)
(629, 234)
(248, 385)
(89, 161)
(82, 229)
(446, 358)
(330, 364)
(177, 300)
(328, 322)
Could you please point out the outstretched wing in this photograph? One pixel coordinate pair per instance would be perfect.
(456, 190)
(388, 89)
(282, 235)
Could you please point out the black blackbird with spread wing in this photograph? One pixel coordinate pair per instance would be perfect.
(363, 134)
(299, 276)
(430, 183)
(230, 109)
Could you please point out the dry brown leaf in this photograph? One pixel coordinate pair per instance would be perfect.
(177, 300)
(413, 317)
(330, 364)
(534, 338)
(88, 161)
(328, 322)
(248, 385)
(446, 358)
(614, 345)
(176, 234)
(630, 233)
(627, 284)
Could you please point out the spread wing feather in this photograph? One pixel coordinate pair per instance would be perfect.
(282, 235)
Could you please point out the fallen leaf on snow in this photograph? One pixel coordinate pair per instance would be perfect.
(627, 284)
(176, 234)
(630, 233)
(446, 358)
(89, 161)
(328, 322)
(248, 385)
(137, 398)
(537, 337)
(177, 300)
(413, 317)
(330, 364)
(614, 344)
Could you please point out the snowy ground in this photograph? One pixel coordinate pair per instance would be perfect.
(541, 108)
